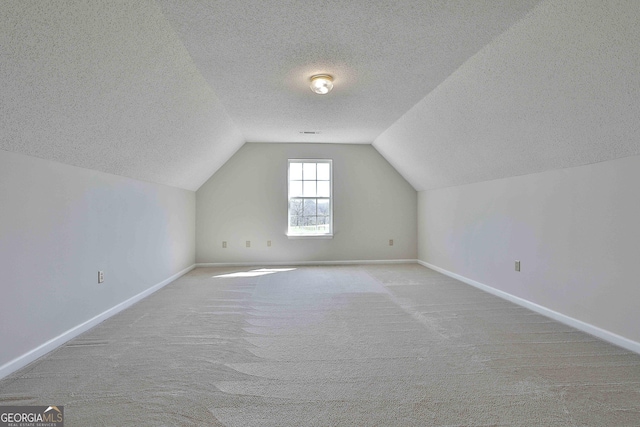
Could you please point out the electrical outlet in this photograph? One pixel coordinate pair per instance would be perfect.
(224, 245)
(248, 243)
(269, 243)
(390, 242)
(517, 265)
(100, 276)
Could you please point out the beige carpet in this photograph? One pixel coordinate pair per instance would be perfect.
(385, 345)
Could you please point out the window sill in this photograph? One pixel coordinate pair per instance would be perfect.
(310, 236)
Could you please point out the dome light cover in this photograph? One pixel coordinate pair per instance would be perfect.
(321, 84)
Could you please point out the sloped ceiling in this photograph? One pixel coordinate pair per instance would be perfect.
(167, 91)
(449, 91)
(108, 85)
(560, 88)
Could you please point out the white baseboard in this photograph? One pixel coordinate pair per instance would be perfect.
(578, 324)
(305, 263)
(22, 361)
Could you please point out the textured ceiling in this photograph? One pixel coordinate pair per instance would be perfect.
(108, 86)
(449, 91)
(385, 56)
(167, 91)
(560, 88)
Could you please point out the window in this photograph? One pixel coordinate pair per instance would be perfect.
(310, 202)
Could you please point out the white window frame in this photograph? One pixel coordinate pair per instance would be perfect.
(292, 234)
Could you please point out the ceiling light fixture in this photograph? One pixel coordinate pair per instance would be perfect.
(321, 84)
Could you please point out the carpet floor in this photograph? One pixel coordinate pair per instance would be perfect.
(370, 345)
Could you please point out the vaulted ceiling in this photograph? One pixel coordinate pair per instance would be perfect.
(449, 91)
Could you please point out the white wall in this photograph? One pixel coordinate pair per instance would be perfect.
(576, 232)
(59, 225)
(247, 200)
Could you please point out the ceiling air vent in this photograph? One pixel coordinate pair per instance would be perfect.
(310, 132)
